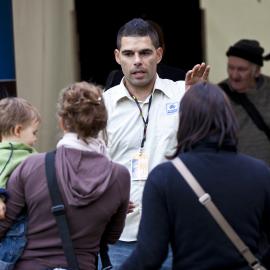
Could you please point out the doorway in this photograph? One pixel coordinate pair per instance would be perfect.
(97, 29)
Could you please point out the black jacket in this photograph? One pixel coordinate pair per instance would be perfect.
(240, 187)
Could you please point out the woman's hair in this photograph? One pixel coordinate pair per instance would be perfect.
(16, 111)
(82, 109)
(205, 111)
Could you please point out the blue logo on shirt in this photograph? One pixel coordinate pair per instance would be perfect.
(172, 108)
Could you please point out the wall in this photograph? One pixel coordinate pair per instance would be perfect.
(46, 53)
(228, 21)
(45, 57)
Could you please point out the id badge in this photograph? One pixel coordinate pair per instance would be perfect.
(139, 166)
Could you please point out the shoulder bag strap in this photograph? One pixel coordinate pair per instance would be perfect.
(58, 210)
(250, 108)
(205, 199)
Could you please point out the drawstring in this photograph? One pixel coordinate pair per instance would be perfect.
(9, 158)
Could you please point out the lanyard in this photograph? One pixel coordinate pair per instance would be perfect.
(145, 121)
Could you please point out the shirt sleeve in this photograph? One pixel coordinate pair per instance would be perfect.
(116, 225)
(154, 233)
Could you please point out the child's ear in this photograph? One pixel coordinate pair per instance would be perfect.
(17, 130)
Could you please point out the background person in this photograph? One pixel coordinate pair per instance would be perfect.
(171, 212)
(94, 189)
(249, 92)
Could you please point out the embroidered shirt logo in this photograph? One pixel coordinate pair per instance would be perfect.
(172, 108)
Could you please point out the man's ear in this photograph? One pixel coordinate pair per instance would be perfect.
(116, 56)
(18, 130)
(257, 71)
(159, 54)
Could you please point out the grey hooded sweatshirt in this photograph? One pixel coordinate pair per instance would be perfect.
(95, 191)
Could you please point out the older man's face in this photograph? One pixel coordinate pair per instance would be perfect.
(242, 74)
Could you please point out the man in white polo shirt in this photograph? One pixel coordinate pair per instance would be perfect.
(142, 118)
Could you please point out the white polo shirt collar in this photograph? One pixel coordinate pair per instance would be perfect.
(160, 85)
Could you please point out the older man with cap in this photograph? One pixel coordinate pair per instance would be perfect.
(249, 91)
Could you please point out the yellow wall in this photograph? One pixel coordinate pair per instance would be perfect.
(46, 53)
(227, 21)
(45, 56)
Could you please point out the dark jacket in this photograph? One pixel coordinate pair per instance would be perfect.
(96, 193)
(253, 138)
(240, 187)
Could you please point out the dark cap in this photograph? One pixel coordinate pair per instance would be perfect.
(266, 57)
(247, 49)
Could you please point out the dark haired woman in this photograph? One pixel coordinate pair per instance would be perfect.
(238, 184)
(95, 190)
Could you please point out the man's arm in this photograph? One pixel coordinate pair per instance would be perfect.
(116, 225)
(154, 233)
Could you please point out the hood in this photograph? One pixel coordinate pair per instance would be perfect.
(12, 154)
(83, 175)
(17, 146)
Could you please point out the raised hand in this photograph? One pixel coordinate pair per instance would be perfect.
(199, 73)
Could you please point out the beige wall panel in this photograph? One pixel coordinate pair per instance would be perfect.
(227, 21)
(45, 56)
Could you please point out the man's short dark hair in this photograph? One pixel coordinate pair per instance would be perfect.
(138, 28)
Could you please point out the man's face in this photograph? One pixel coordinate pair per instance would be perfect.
(242, 74)
(138, 59)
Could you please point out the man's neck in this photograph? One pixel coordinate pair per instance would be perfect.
(142, 93)
(141, 96)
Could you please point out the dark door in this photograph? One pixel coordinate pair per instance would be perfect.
(7, 62)
(97, 29)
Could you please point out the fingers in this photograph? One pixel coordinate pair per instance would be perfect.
(2, 212)
(195, 70)
(206, 73)
(131, 207)
(189, 75)
(200, 71)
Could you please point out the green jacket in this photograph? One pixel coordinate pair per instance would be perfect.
(11, 155)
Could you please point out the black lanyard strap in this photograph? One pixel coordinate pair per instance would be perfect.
(145, 121)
